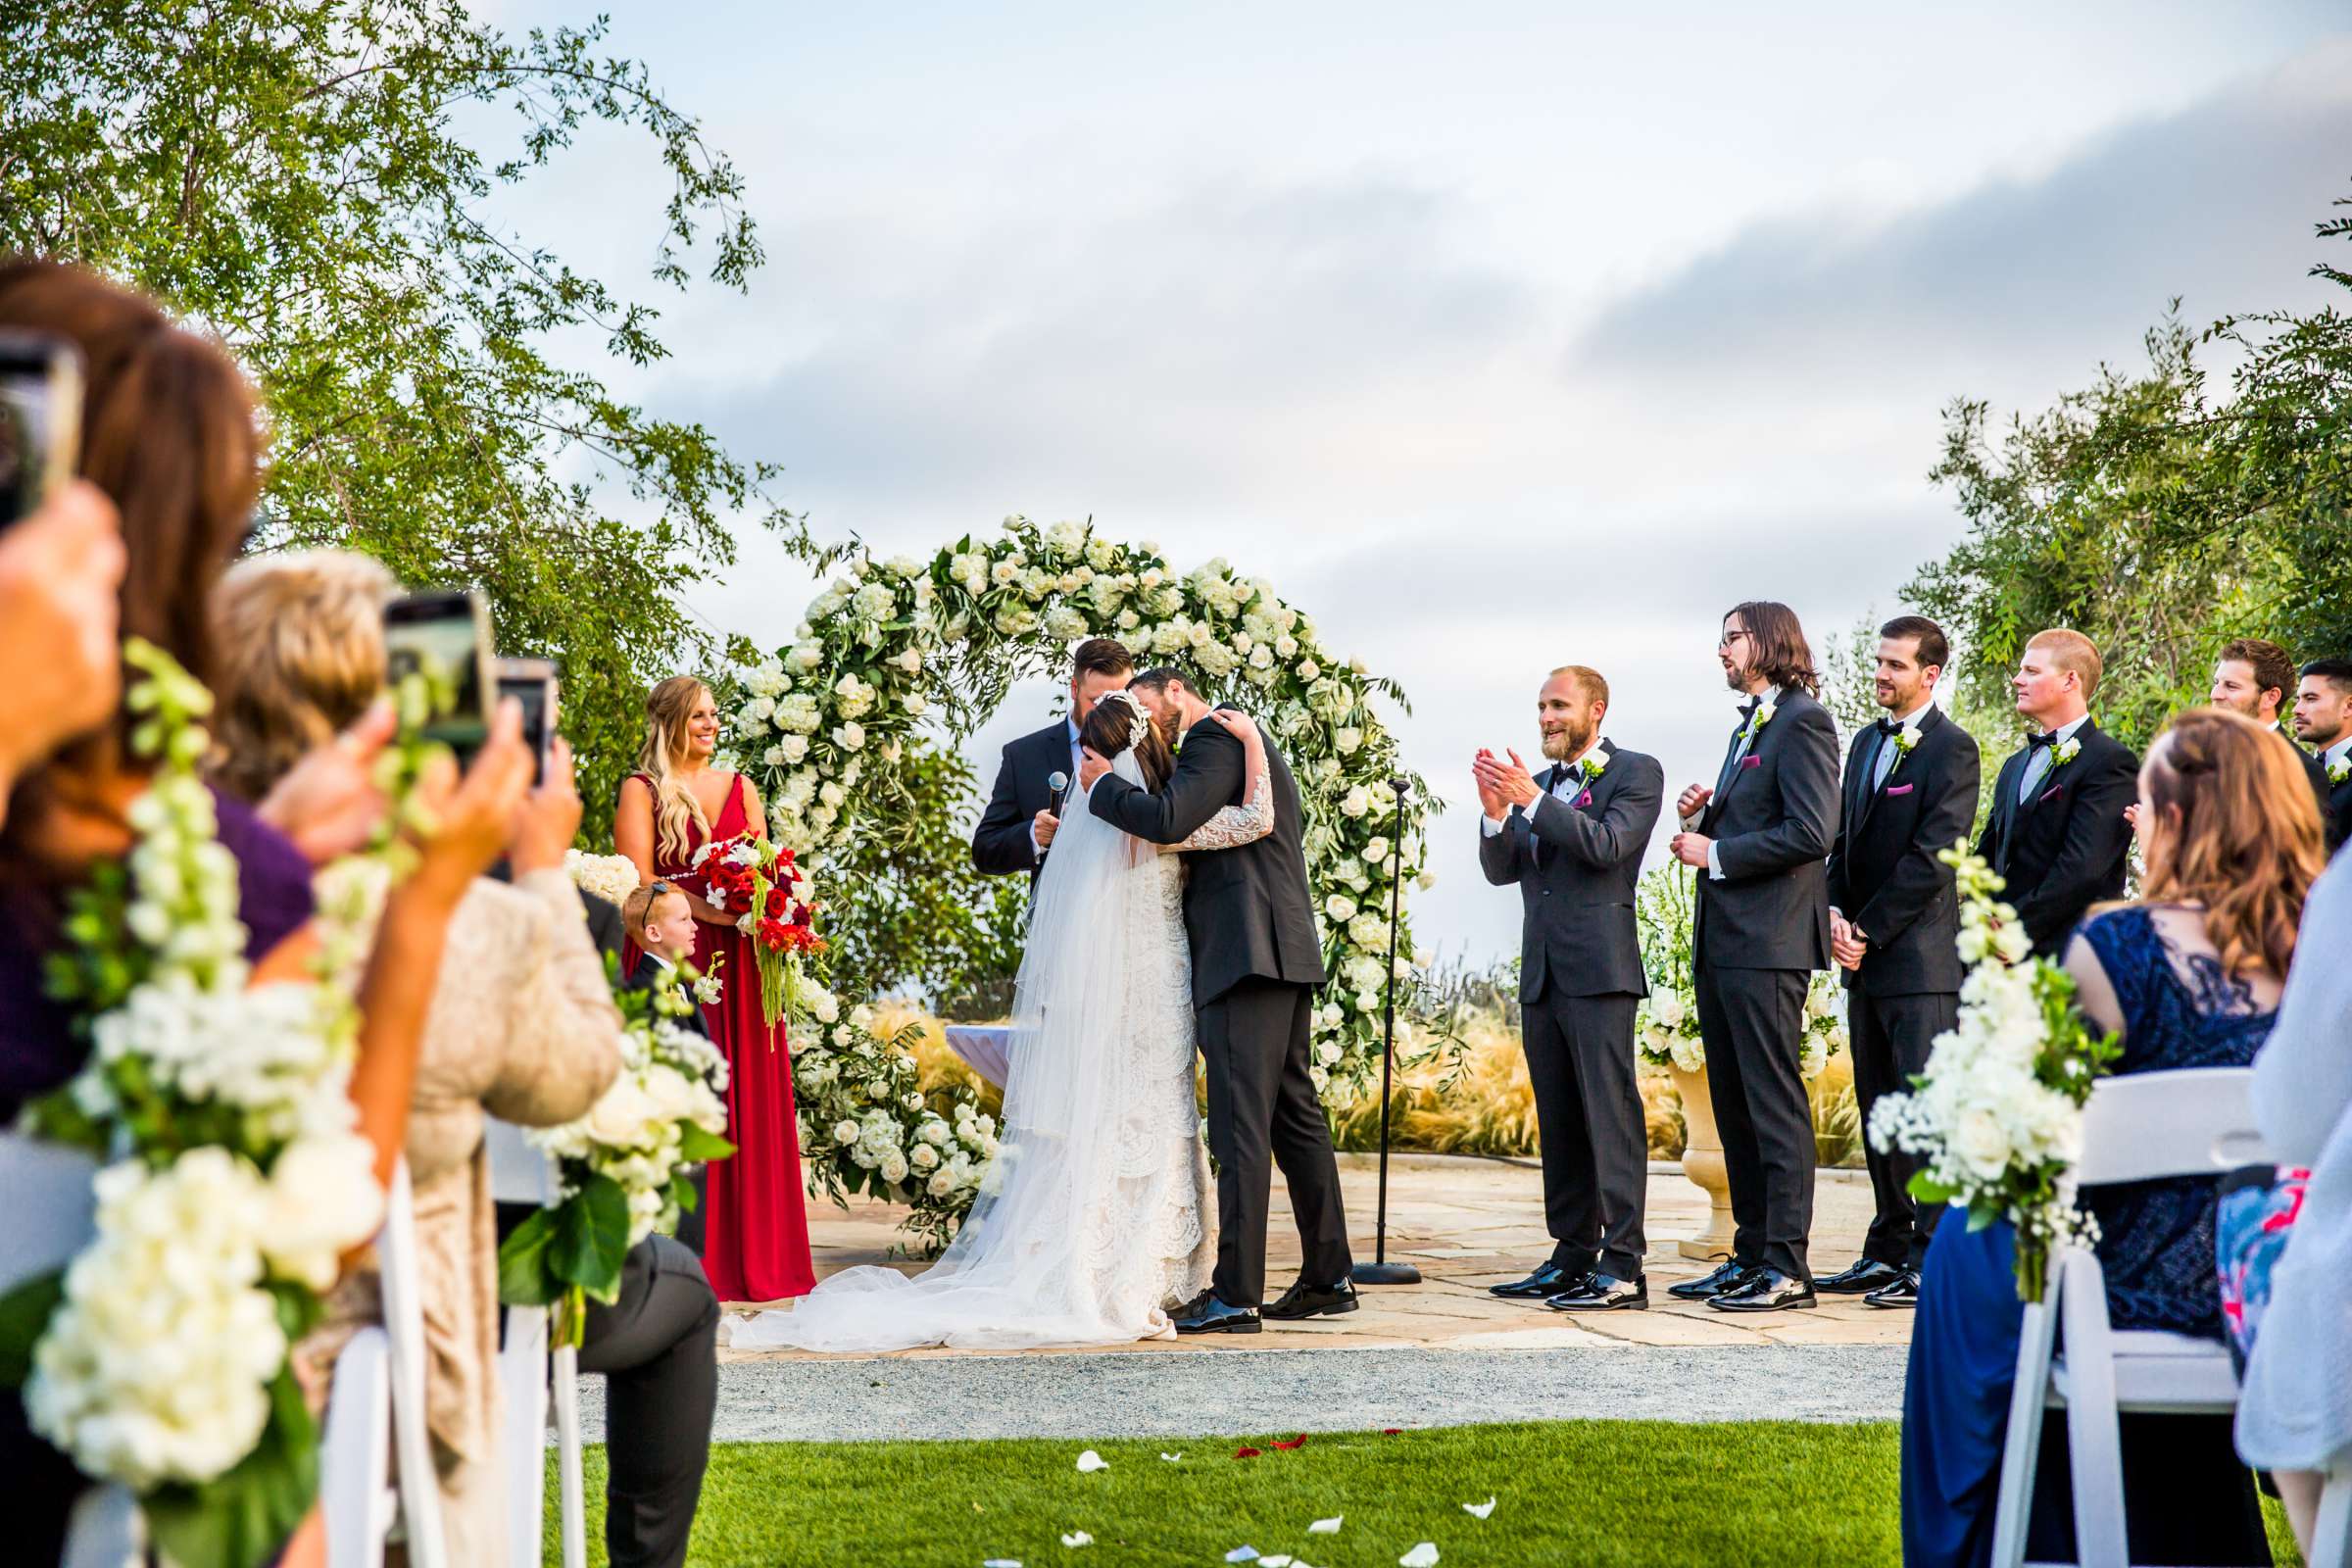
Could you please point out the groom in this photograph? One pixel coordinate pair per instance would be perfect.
(1256, 963)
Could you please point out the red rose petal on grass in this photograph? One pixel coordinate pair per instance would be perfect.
(1298, 1441)
(1392, 1432)
(1249, 1453)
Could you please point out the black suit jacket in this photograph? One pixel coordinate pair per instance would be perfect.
(1576, 866)
(2336, 818)
(605, 926)
(649, 974)
(1247, 910)
(1001, 843)
(1773, 822)
(2064, 850)
(2313, 768)
(1883, 872)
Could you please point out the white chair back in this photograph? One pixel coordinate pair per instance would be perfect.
(519, 1173)
(522, 1174)
(2191, 1121)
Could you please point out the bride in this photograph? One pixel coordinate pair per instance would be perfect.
(1094, 1216)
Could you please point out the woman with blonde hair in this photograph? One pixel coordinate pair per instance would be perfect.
(755, 1222)
(2189, 975)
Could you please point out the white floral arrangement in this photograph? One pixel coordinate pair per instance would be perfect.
(610, 877)
(234, 1177)
(1666, 1021)
(822, 725)
(626, 1167)
(865, 1126)
(1997, 1115)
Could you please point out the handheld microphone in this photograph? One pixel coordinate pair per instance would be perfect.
(1058, 782)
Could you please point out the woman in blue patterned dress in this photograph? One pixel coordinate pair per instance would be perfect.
(2188, 976)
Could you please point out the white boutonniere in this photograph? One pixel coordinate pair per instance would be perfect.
(2339, 770)
(1761, 716)
(2067, 750)
(1594, 766)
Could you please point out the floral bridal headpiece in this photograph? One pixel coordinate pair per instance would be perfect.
(1141, 724)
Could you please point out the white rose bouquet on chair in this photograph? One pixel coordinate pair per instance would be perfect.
(1998, 1113)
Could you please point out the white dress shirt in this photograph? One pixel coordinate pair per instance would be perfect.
(1568, 786)
(1747, 743)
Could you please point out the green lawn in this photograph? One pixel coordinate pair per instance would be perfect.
(1581, 1492)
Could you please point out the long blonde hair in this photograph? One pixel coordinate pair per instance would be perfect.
(667, 706)
(2246, 844)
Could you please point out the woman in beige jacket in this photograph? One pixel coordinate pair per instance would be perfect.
(522, 1027)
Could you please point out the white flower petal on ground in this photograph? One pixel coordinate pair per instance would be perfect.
(1425, 1555)
(1090, 1461)
(1171, 1458)
(1479, 1510)
(1076, 1539)
(1326, 1527)
(1241, 1554)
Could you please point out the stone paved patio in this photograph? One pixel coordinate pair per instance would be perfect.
(1468, 1223)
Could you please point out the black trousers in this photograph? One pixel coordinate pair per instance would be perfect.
(1890, 1036)
(1262, 1112)
(1752, 1022)
(657, 1346)
(1589, 1125)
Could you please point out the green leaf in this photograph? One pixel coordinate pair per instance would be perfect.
(700, 1146)
(525, 1275)
(242, 1519)
(592, 1237)
(24, 1314)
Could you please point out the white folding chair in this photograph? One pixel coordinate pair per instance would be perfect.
(376, 1409)
(50, 1215)
(521, 1174)
(2187, 1122)
(2332, 1536)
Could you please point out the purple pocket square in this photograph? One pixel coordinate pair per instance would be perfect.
(1751, 762)
(1585, 799)
(1901, 789)
(2051, 794)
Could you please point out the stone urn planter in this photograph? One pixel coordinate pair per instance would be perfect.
(1702, 1163)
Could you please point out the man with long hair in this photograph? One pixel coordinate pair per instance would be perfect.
(2057, 830)
(1016, 831)
(1758, 839)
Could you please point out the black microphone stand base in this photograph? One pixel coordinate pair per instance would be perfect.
(1385, 1274)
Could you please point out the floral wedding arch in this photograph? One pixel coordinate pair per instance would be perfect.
(820, 727)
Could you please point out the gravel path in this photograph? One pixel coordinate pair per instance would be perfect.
(1246, 1393)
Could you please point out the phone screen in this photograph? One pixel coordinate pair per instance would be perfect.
(533, 683)
(445, 636)
(40, 419)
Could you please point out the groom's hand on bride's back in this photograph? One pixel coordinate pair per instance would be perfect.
(1091, 768)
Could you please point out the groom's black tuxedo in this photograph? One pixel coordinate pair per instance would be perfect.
(1576, 857)
(1000, 844)
(1256, 964)
(1885, 879)
(1757, 933)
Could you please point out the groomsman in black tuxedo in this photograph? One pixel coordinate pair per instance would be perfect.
(2057, 830)
(1023, 809)
(2257, 678)
(1572, 842)
(1894, 925)
(2324, 722)
(1758, 839)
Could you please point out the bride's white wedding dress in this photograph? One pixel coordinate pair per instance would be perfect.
(1095, 1215)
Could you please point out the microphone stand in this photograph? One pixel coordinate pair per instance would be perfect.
(1380, 1271)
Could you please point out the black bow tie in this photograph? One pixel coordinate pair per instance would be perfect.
(2048, 738)
(1889, 726)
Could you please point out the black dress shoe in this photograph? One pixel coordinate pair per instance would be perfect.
(1314, 1300)
(1766, 1289)
(1901, 1291)
(1727, 1276)
(1206, 1314)
(1543, 1284)
(1864, 1277)
(1604, 1292)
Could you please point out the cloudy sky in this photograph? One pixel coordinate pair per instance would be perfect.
(1501, 336)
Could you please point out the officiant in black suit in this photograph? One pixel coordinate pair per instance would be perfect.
(1256, 963)
(2056, 829)
(1571, 843)
(1016, 830)
(1761, 926)
(1894, 927)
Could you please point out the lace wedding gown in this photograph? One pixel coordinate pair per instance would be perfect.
(1095, 1215)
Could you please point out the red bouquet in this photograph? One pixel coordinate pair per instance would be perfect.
(774, 904)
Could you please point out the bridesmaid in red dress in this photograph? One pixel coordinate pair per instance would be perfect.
(755, 1222)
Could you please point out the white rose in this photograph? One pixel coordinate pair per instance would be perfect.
(1341, 907)
(1980, 1144)
(792, 750)
(845, 1132)
(850, 737)
(323, 1201)
(1308, 670)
